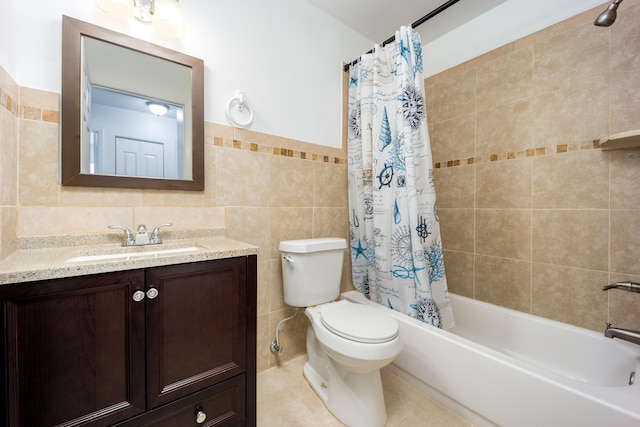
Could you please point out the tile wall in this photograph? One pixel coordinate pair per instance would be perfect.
(534, 215)
(8, 163)
(261, 188)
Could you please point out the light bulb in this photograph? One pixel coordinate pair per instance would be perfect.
(168, 18)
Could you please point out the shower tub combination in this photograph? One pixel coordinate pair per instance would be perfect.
(502, 367)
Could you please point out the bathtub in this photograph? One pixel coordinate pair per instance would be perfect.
(503, 367)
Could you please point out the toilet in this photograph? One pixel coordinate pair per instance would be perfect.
(347, 343)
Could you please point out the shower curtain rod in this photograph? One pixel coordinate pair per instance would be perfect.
(425, 18)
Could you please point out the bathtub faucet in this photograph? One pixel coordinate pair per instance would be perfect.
(625, 286)
(623, 334)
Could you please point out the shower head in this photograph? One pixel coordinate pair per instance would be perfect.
(607, 17)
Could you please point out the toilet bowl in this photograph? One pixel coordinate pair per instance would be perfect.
(347, 343)
(344, 360)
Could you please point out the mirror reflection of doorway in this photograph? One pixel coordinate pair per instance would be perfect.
(139, 158)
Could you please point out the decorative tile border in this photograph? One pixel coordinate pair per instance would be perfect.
(276, 151)
(531, 152)
(8, 102)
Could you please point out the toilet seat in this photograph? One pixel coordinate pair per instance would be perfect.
(357, 322)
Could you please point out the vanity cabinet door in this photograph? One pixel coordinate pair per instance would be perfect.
(196, 327)
(74, 350)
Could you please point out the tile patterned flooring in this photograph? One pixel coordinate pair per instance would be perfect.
(286, 400)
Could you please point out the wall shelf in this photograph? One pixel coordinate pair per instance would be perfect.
(622, 140)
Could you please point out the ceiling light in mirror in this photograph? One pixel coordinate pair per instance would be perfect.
(157, 108)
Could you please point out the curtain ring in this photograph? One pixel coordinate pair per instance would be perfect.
(237, 103)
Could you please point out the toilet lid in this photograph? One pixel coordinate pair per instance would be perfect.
(358, 322)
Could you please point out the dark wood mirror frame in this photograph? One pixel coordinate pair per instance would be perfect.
(70, 135)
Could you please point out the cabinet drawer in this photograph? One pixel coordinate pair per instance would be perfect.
(222, 405)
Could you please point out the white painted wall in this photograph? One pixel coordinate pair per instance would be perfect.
(285, 55)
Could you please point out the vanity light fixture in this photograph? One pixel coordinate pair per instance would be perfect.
(166, 16)
(158, 108)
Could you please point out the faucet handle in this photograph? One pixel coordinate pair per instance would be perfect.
(155, 235)
(129, 239)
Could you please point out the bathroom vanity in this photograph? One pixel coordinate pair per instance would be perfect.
(158, 341)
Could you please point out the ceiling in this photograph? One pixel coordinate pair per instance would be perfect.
(379, 19)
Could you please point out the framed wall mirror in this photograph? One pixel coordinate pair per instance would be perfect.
(132, 113)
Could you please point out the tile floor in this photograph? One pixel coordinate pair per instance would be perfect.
(286, 400)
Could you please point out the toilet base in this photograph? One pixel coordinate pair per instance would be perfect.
(356, 399)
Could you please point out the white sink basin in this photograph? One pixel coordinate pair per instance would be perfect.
(134, 254)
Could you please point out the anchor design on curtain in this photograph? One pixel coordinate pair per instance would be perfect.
(396, 251)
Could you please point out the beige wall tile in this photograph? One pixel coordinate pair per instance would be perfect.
(329, 185)
(574, 114)
(561, 62)
(171, 198)
(504, 233)
(290, 224)
(625, 168)
(8, 235)
(242, 178)
(264, 287)
(504, 129)
(505, 282)
(93, 196)
(291, 182)
(292, 335)
(38, 163)
(460, 270)
(251, 225)
(504, 184)
(331, 222)
(181, 217)
(44, 221)
(625, 245)
(576, 238)
(210, 176)
(457, 229)
(570, 295)
(506, 79)
(455, 187)
(571, 180)
(38, 98)
(454, 97)
(263, 342)
(625, 70)
(9, 158)
(454, 139)
(276, 287)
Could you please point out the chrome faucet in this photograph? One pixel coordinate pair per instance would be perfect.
(625, 286)
(155, 235)
(623, 334)
(129, 239)
(141, 236)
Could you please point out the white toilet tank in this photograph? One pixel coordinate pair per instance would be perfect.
(312, 270)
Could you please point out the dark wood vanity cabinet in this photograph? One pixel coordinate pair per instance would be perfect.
(164, 346)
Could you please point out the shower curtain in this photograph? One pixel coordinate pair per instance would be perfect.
(396, 251)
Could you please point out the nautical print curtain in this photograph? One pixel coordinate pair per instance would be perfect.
(396, 251)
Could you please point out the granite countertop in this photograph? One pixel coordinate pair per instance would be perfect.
(51, 257)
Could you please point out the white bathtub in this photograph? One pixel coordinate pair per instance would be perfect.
(507, 368)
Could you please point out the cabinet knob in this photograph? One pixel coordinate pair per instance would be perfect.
(152, 293)
(138, 296)
(200, 416)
